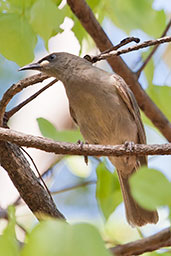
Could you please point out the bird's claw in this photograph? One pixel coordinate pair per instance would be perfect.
(129, 146)
(81, 143)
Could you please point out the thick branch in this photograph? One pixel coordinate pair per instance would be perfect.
(89, 22)
(148, 244)
(50, 145)
(27, 184)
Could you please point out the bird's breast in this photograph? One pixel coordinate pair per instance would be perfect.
(101, 115)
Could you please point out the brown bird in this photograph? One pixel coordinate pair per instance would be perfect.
(106, 112)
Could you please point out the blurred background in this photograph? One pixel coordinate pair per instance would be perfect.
(79, 204)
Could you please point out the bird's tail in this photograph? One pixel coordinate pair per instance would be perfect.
(136, 215)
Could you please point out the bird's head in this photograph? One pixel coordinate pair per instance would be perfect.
(54, 64)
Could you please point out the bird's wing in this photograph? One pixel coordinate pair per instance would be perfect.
(128, 98)
(73, 114)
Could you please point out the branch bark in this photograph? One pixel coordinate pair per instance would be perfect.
(89, 22)
(112, 53)
(148, 244)
(52, 146)
(26, 182)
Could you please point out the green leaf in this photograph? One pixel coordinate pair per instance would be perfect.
(135, 14)
(161, 96)
(52, 238)
(108, 191)
(48, 130)
(79, 31)
(93, 4)
(17, 38)
(8, 241)
(150, 188)
(149, 69)
(21, 3)
(45, 17)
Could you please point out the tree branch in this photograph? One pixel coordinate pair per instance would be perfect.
(26, 182)
(125, 41)
(108, 54)
(89, 22)
(52, 146)
(69, 188)
(148, 244)
(16, 88)
(32, 97)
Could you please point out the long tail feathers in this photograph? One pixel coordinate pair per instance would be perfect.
(136, 215)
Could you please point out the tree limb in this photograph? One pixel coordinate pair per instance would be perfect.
(89, 22)
(32, 97)
(148, 244)
(108, 54)
(16, 88)
(52, 146)
(26, 182)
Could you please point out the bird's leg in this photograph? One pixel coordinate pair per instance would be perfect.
(81, 143)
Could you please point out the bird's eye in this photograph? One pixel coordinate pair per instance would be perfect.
(52, 57)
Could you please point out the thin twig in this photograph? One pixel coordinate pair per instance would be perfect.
(16, 88)
(148, 244)
(18, 199)
(50, 145)
(153, 51)
(103, 56)
(122, 43)
(39, 175)
(125, 41)
(11, 112)
(73, 187)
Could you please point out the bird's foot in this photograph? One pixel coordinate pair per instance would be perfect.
(81, 143)
(129, 146)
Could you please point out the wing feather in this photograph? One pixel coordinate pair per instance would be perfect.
(128, 97)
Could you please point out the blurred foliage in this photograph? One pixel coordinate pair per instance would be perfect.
(150, 188)
(48, 130)
(161, 95)
(8, 242)
(18, 40)
(135, 14)
(108, 191)
(52, 237)
(22, 20)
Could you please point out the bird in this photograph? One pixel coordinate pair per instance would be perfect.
(106, 111)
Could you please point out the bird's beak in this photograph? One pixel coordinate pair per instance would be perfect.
(36, 66)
